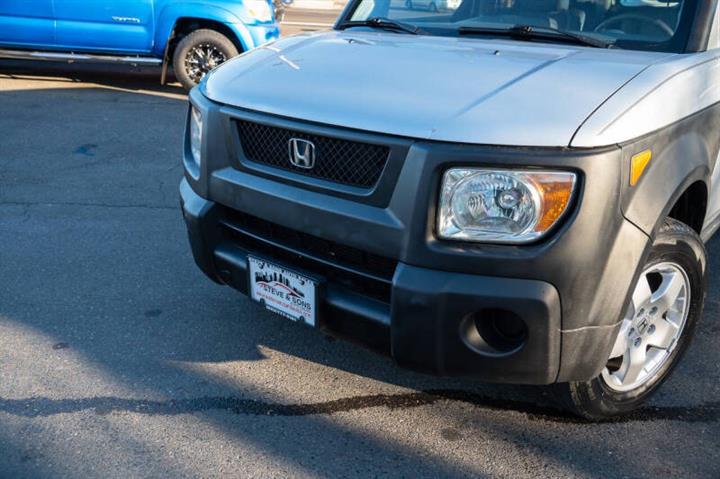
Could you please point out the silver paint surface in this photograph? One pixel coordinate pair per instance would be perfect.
(663, 94)
(450, 89)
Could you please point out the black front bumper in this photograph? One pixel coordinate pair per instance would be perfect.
(421, 318)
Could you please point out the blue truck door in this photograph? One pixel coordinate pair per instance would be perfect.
(27, 23)
(123, 26)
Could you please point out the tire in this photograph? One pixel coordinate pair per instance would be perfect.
(198, 53)
(677, 249)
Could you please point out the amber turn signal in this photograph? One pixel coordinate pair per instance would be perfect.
(638, 163)
(556, 191)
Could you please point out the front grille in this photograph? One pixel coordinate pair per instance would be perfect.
(341, 161)
(362, 272)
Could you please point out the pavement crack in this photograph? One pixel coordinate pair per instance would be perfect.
(44, 407)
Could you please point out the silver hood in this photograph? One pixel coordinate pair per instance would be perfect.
(465, 90)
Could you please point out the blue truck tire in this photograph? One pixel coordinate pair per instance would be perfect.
(198, 53)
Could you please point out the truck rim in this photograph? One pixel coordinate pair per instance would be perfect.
(651, 328)
(201, 59)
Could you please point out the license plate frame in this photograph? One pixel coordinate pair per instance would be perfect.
(284, 291)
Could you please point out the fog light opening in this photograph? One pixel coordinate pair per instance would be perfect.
(494, 332)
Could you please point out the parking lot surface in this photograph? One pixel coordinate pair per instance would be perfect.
(118, 358)
(308, 20)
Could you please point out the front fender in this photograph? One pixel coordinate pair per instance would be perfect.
(170, 14)
(682, 154)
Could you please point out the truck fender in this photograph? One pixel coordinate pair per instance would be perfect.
(167, 20)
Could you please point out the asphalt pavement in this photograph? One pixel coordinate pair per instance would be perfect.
(119, 359)
(307, 20)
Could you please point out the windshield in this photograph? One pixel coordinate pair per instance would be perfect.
(658, 25)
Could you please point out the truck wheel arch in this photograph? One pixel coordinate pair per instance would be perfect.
(186, 25)
(179, 14)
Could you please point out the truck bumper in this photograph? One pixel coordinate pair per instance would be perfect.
(429, 323)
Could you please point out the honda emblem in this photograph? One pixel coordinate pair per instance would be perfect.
(302, 153)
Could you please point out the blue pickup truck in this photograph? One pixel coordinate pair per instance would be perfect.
(193, 37)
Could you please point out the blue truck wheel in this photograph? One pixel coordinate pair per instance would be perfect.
(198, 53)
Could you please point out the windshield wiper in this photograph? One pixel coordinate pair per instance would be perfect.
(532, 31)
(383, 23)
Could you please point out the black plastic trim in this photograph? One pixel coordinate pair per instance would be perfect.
(420, 324)
(702, 26)
(377, 195)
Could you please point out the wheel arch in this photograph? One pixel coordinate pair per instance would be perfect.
(182, 17)
(691, 206)
(187, 25)
(675, 182)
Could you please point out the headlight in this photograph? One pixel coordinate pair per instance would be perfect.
(259, 10)
(196, 126)
(502, 206)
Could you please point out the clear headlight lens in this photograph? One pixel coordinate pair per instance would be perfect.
(259, 10)
(196, 127)
(502, 206)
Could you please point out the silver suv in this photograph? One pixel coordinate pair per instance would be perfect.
(514, 190)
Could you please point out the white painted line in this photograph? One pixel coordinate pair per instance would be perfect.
(292, 65)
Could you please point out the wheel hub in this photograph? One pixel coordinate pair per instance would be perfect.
(651, 327)
(201, 59)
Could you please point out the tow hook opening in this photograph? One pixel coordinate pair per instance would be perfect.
(494, 332)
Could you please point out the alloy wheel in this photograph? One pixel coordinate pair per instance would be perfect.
(651, 328)
(201, 59)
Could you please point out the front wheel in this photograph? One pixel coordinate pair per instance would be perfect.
(666, 304)
(198, 53)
